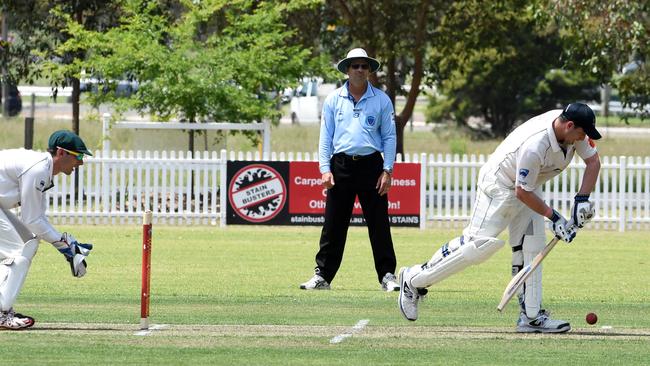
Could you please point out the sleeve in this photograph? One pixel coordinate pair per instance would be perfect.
(388, 134)
(586, 148)
(528, 166)
(33, 203)
(325, 140)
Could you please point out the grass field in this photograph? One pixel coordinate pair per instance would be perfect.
(230, 297)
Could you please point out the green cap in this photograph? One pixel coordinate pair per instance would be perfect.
(68, 140)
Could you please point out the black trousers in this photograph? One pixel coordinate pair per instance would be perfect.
(355, 176)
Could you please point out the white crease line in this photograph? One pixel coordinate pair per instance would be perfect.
(146, 332)
(356, 329)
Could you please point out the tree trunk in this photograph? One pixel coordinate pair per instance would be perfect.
(191, 148)
(75, 127)
(75, 81)
(190, 144)
(75, 105)
(5, 84)
(418, 73)
(399, 127)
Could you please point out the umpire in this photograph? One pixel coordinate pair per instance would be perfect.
(357, 126)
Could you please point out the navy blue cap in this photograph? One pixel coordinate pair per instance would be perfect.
(584, 117)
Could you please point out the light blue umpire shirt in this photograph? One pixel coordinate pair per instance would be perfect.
(360, 129)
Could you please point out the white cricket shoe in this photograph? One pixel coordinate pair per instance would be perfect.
(542, 323)
(11, 320)
(315, 283)
(408, 296)
(389, 283)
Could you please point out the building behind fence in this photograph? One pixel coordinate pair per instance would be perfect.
(116, 188)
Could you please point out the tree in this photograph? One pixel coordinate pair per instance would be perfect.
(602, 38)
(39, 31)
(209, 60)
(398, 33)
(493, 60)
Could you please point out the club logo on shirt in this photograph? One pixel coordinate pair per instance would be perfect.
(523, 172)
(40, 186)
(370, 120)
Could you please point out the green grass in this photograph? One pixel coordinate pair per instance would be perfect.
(230, 296)
(620, 121)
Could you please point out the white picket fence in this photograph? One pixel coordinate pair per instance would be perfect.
(182, 190)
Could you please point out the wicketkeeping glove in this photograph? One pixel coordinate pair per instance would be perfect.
(74, 252)
(583, 210)
(561, 228)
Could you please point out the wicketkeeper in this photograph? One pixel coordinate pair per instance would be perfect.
(25, 176)
(509, 196)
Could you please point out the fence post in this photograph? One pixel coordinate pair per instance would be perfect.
(423, 191)
(29, 126)
(622, 173)
(223, 188)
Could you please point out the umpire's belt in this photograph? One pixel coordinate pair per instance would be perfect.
(358, 157)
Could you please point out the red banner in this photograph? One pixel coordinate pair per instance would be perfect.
(308, 194)
(291, 193)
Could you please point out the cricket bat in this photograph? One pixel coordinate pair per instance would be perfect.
(521, 277)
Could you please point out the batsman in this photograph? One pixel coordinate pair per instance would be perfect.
(25, 177)
(509, 196)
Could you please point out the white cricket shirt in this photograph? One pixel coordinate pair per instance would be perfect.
(25, 175)
(531, 155)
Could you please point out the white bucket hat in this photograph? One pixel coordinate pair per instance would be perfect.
(342, 66)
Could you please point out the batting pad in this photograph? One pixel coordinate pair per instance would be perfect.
(532, 289)
(454, 257)
(13, 272)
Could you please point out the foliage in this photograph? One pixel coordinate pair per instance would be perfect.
(602, 37)
(396, 32)
(215, 60)
(560, 87)
(493, 60)
(27, 33)
(38, 29)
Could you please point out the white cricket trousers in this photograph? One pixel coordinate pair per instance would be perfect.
(17, 248)
(495, 208)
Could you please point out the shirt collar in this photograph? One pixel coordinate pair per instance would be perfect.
(555, 145)
(345, 91)
(50, 168)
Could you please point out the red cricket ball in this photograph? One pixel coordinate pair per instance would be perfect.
(591, 318)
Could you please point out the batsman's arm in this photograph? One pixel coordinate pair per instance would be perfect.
(533, 201)
(590, 175)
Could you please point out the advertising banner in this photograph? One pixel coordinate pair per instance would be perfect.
(291, 193)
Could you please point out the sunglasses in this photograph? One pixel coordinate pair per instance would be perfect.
(78, 155)
(363, 66)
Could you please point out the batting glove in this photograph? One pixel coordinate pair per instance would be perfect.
(561, 228)
(583, 210)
